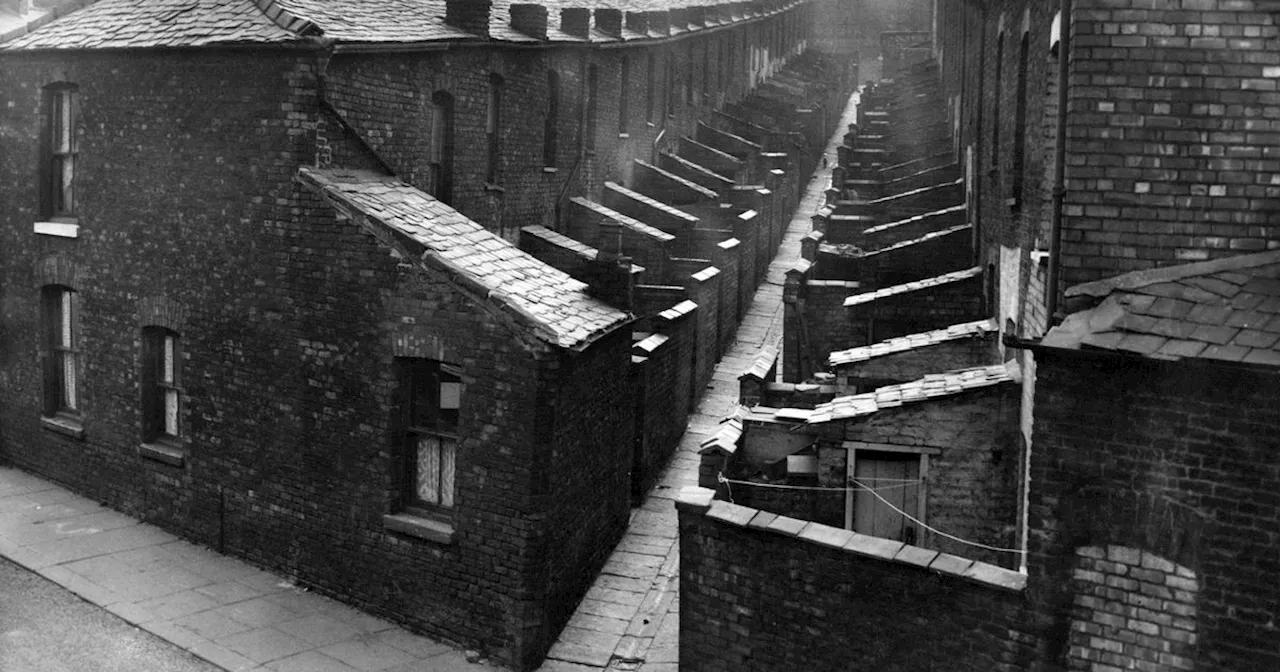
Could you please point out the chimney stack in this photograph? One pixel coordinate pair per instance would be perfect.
(609, 22)
(529, 19)
(576, 21)
(469, 15)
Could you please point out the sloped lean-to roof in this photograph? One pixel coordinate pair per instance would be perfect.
(1226, 310)
(545, 299)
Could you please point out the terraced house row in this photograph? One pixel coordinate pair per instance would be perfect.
(407, 300)
(1023, 414)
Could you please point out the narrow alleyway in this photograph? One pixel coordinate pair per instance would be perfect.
(629, 620)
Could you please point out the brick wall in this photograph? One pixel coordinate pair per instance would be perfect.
(816, 323)
(972, 480)
(918, 259)
(1168, 158)
(760, 592)
(587, 491)
(294, 454)
(916, 311)
(1173, 460)
(1133, 610)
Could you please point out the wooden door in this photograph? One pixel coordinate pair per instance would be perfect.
(896, 478)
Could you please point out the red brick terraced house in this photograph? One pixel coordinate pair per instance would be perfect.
(261, 283)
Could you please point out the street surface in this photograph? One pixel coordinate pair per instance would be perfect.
(47, 628)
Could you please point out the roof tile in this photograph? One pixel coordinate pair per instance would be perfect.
(555, 303)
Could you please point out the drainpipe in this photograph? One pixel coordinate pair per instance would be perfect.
(1059, 162)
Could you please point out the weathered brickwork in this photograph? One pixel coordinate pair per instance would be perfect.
(1173, 460)
(1171, 158)
(1133, 611)
(972, 480)
(776, 593)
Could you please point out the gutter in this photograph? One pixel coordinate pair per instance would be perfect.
(1059, 164)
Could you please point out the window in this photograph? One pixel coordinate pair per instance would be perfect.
(161, 391)
(995, 125)
(58, 196)
(550, 134)
(622, 95)
(440, 155)
(493, 125)
(648, 89)
(669, 89)
(706, 69)
(433, 399)
(61, 376)
(593, 90)
(1020, 124)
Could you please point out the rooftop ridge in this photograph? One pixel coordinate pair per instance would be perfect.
(912, 219)
(923, 339)
(1136, 279)
(624, 220)
(679, 180)
(946, 278)
(917, 241)
(932, 386)
(287, 19)
(635, 195)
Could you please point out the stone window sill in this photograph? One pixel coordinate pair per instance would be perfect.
(489, 186)
(64, 229)
(624, 136)
(163, 451)
(437, 531)
(63, 424)
(550, 169)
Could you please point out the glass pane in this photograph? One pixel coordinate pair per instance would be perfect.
(68, 379)
(167, 375)
(427, 486)
(65, 318)
(448, 458)
(171, 412)
(450, 395)
(67, 188)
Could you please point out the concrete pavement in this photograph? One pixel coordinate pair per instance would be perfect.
(225, 611)
(629, 620)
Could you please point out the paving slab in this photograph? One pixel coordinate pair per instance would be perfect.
(231, 614)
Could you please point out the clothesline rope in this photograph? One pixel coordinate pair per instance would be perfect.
(859, 486)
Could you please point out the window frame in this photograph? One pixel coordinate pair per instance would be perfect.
(442, 129)
(60, 145)
(551, 130)
(162, 381)
(415, 371)
(493, 127)
(61, 399)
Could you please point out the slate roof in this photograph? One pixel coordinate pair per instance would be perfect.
(1226, 310)
(623, 220)
(547, 299)
(932, 386)
(927, 283)
(912, 341)
(132, 24)
(119, 24)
